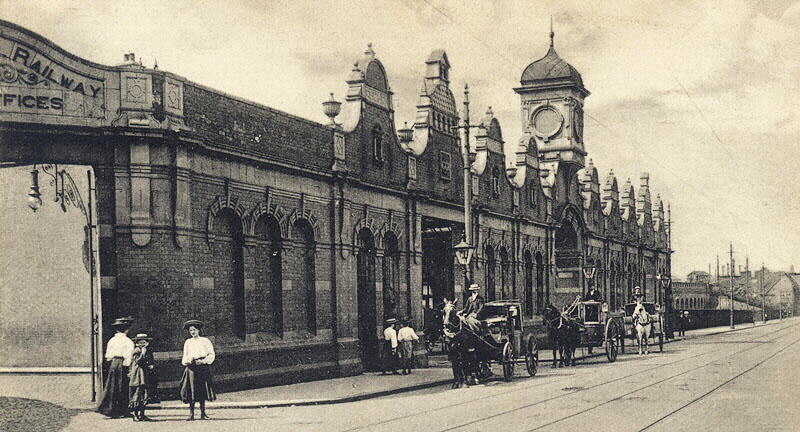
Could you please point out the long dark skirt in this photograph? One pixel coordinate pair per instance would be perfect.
(197, 384)
(114, 402)
(389, 359)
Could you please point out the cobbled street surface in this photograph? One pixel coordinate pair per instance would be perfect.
(738, 381)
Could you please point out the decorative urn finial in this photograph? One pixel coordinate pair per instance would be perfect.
(332, 108)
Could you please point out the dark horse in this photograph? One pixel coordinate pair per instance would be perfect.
(563, 335)
(467, 353)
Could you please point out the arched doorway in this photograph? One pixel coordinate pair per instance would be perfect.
(391, 277)
(228, 249)
(569, 257)
(367, 314)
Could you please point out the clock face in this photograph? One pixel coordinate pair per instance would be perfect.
(547, 121)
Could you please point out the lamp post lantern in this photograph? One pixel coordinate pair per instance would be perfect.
(589, 270)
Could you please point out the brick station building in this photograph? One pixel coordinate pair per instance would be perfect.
(294, 240)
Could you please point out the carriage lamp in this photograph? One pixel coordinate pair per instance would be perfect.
(34, 197)
(464, 252)
(604, 308)
(589, 269)
(665, 280)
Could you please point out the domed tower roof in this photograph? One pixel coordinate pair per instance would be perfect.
(552, 70)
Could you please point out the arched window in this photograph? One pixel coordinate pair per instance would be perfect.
(303, 276)
(495, 182)
(528, 262)
(267, 312)
(228, 265)
(491, 265)
(505, 276)
(377, 144)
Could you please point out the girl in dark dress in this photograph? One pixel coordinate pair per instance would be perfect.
(197, 383)
(142, 373)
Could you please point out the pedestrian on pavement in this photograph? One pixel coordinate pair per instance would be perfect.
(197, 384)
(406, 337)
(142, 373)
(119, 351)
(389, 351)
(682, 318)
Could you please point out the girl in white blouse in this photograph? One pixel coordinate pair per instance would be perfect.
(197, 383)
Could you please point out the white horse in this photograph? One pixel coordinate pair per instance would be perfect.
(643, 323)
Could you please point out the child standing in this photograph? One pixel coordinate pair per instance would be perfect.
(141, 376)
(406, 337)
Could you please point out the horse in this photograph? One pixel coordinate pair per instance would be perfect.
(563, 335)
(643, 322)
(464, 353)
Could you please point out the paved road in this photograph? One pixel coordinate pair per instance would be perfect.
(737, 381)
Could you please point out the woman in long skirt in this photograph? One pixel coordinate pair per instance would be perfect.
(196, 383)
(119, 351)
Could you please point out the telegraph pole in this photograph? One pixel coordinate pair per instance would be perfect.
(730, 275)
(761, 283)
(747, 289)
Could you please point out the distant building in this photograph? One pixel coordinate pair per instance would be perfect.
(698, 276)
(782, 293)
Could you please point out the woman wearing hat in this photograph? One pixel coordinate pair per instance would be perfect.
(119, 352)
(142, 376)
(196, 383)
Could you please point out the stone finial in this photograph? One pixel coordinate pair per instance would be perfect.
(645, 178)
(369, 51)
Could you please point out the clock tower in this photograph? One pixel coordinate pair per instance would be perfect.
(552, 95)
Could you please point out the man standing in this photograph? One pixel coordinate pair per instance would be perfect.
(637, 294)
(472, 308)
(594, 295)
(389, 350)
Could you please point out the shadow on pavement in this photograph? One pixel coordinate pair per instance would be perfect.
(20, 414)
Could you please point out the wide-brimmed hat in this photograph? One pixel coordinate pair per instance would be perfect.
(474, 287)
(122, 322)
(142, 336)
(193, 322)
(391, 321)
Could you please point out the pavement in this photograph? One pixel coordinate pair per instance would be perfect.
(66, 393)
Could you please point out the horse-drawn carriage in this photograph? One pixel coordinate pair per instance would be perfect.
(584, 324)
(652, 319)
(505, 341)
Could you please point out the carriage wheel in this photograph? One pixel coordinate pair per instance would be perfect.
(531, 359)
(611, 345)
(508, 361)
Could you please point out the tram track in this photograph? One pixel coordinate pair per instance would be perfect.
(536, 383)
(649, 385)
(726, 382)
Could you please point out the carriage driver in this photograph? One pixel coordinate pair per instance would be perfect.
(637, 294)
(472, 307)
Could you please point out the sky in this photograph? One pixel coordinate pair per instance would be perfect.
(701, 95)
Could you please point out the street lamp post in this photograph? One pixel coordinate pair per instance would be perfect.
(666, 281)
(467, 158)
(68, 195)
